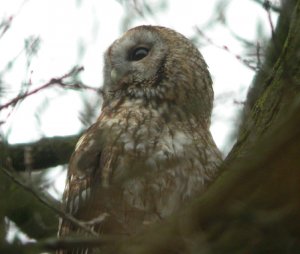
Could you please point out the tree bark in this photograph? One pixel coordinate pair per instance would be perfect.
(45, 153)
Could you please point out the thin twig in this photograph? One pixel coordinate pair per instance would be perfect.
(224, 47)
(5, 25)
(270, 5)
(258, 55)
(48, 201)
(54, 81)
(267, 7)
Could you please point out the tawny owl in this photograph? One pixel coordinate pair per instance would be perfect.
(150, 150)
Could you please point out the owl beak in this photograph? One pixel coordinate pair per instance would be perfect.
(114, 76)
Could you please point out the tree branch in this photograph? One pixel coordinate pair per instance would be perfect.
(45, 153)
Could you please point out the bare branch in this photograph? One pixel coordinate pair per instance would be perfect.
(224, 47)
(267, 7)
(54, 81)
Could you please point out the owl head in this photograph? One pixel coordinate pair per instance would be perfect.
(159, 68)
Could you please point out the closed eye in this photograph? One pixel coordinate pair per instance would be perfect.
(138, 53)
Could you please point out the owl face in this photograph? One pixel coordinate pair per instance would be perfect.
(156, 65)
(134, 64)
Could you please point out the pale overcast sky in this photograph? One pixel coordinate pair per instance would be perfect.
(63, 25)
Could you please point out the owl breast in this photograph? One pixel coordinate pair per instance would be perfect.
(157, 163)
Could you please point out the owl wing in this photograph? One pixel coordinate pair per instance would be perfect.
(86, 162)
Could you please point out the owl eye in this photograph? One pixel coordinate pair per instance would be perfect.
(138, 54)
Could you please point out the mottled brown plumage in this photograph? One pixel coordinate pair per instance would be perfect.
(150, 150)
